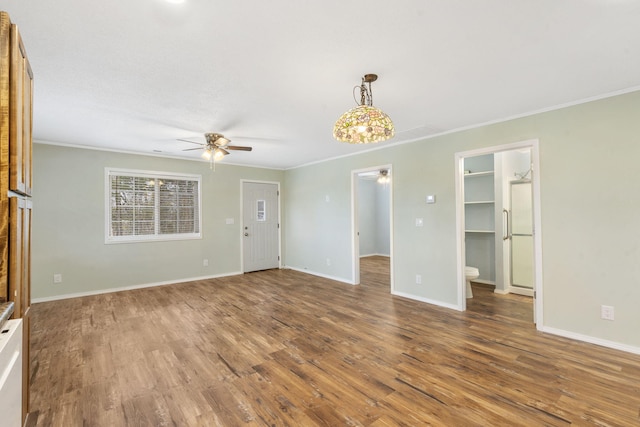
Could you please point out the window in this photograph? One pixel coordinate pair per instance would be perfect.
(143, 206)
(261, 213)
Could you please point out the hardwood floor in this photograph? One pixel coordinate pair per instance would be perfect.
(281, 348)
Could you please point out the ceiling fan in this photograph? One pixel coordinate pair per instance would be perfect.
(216, 146)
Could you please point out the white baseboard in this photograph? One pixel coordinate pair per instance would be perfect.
(592, 340)
(129, 288)
(368, 255)
(514, 290)
(521, 291)
(326, 276)
(427, 300)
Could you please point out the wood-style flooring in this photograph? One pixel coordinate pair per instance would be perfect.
(282, 348)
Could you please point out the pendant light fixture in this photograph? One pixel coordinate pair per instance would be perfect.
(365, 123)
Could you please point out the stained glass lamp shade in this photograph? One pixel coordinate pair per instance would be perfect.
(365, 123)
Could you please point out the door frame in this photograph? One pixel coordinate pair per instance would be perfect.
(355, 237)
(533, 145)
(255, 181)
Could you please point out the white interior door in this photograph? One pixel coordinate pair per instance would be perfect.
(260, 226)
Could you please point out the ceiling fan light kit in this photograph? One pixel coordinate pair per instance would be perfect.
(365, 123)
(216, 147)
(219, 153)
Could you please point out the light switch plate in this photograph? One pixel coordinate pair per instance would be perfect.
(431, 198)
(419, 222)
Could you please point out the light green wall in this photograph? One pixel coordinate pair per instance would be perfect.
(383, 245)
(367, 216)
(589, 202)
(316, 213)
(373, 217)
(69, 224)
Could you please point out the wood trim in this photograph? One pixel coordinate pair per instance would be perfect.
(26, 363)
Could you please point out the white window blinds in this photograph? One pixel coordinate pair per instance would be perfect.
(145, 206)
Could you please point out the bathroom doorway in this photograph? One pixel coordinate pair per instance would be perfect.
(372, 217)
(498, 221)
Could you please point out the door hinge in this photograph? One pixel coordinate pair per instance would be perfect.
(534, 294)
(278, 193)
(278, 225)
(278, 257)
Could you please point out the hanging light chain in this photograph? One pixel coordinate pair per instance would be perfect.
(366, 95)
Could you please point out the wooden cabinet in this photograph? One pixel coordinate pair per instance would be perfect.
(21, 101)
(20, 254)
(16, 100)
(5, 61)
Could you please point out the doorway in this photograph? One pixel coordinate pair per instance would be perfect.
(260, 226)
(487, 238)
(372, 217)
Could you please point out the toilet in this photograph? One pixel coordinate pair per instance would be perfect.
(470, 273)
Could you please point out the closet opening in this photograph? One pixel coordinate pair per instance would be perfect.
(498, 203)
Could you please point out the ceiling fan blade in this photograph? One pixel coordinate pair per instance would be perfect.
(191, 149)
(256, 138)
(238, 147)
(191, 142)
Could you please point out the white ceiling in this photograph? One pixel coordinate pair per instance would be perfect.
(138, 75)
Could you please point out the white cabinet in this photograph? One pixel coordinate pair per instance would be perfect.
(11, 373)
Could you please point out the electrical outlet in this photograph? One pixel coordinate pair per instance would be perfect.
(418, 279)
(606, 312)
(205, 262)
(57, 278)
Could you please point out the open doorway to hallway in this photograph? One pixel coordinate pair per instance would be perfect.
(372, 193)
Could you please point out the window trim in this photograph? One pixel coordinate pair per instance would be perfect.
(109, 171)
